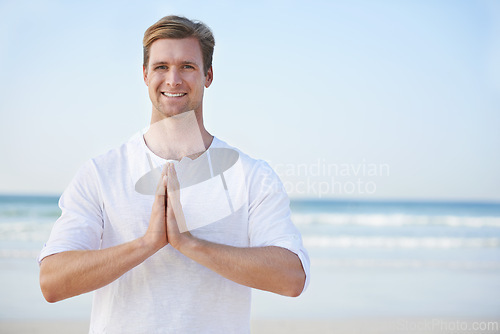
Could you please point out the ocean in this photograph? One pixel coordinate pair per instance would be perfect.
(368, 259)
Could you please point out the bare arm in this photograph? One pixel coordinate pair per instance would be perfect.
(273, 269)
(72, 273)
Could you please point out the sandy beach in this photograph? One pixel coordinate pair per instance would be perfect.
(293, 326)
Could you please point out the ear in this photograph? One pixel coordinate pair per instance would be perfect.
(209, 77)
(145, 75)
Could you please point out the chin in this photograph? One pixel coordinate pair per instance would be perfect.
(170, 112)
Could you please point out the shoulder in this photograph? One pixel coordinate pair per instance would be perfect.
(106, 165)
(253, 167)
(260, 178)
(116, 156)
(120, 152)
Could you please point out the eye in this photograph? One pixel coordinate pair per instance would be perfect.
(161, 67)
(189, 67)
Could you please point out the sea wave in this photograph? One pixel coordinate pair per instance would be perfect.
(394, 220)
(406, 263)
(19, 253)
(399, 242)
(25, 231)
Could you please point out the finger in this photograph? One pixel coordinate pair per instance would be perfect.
(162, 184)
(173, 182)
(170, 214)
(175, 211)
(173, 172)
(167, 194)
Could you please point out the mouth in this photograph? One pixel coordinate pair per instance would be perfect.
(173, 94)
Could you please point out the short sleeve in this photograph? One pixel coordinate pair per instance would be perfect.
(270, 222)
(80, 225)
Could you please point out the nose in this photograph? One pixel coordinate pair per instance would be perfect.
(173, 77)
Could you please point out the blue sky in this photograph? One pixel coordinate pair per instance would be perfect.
(340, 87)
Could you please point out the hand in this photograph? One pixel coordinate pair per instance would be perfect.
(177, 232)
(156, 234)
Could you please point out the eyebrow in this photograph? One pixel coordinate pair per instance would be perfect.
(185, 62)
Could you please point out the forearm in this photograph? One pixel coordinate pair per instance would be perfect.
(72, 273)
(270, 268)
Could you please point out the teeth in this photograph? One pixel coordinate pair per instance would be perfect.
(173, 95)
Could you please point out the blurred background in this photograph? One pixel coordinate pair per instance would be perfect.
(381, 118)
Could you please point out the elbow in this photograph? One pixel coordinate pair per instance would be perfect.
(296, 286)
(50, 297)
(48, 291)
(295, 291)
(48, 294)
(50, 288)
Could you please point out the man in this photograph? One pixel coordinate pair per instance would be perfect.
(148, 277)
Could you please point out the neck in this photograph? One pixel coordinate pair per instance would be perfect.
(179, 136)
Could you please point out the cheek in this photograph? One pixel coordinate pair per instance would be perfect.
(154, 81)
(194, 79)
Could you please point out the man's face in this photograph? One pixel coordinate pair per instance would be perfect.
(175, 77)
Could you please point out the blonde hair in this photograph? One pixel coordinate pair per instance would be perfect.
(178, 27)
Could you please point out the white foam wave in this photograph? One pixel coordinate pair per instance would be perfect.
(25, 231)
(19, 253)
(406, 263)
(399, 242)
(375, 220)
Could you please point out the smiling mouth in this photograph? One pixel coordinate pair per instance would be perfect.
(173, 94)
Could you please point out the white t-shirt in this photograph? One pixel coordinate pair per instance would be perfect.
(168, 293)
